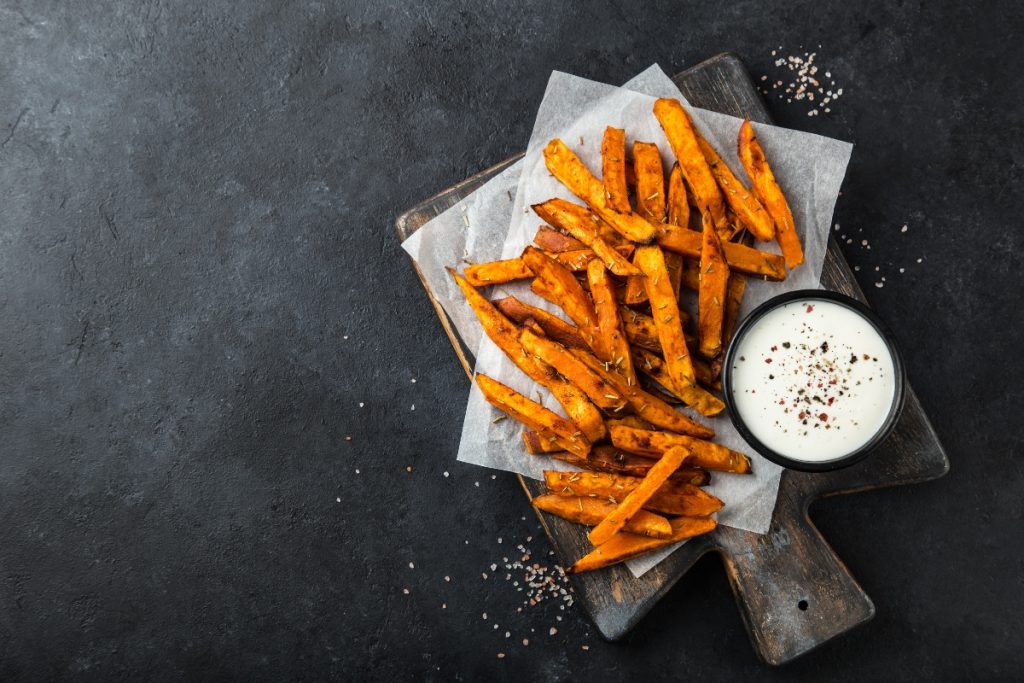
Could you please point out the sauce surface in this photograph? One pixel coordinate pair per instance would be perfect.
(813, 380)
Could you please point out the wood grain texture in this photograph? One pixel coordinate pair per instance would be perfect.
(793, 592)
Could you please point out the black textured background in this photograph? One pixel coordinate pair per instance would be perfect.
(201, 297)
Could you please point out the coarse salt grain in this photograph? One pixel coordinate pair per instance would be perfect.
(405, 590)
(414, 380)
(448, 579)
(904, 229)
(360, 404)
(412, 565)
(552, 631)
(446, 474)
(338, 499)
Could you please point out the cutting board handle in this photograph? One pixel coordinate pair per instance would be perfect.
(793, 591)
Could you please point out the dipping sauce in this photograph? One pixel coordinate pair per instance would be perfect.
(812, 380)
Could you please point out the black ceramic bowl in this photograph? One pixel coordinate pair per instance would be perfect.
(899, 381)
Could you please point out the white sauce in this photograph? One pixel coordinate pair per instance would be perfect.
(813, 380)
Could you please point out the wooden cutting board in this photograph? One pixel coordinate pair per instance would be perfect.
(792, 590)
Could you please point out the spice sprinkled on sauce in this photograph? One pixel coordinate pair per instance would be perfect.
(824, 383)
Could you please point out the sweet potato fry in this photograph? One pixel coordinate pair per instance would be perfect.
(665, 311)
(741, 200)
(638, 497)
(567, 292)
(613, 168)
(612, 338)
(682, 137)
(582, 224)
(650, 182)
(678, 205)
(706, 454)
(707, 376)
(497, 272)
(506, 336)
(647, 406)
(740, 257)
(553, 326)
(671, 498)
(554, 241)
(714, 279)
(624, 546)
(508, 270)
(733, 299)
(572, 369)
(640, 329)
(538, 287)
(533, 415)
(674, 267)
(634, 293)
(613, 460)
(630, 421)
(590, 512)
(768, 191)
(654, 367)
(539, 444)
(575, 260)
(563, 163)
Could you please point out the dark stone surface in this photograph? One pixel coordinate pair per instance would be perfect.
(200, 286)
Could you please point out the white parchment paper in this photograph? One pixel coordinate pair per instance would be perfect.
(496, 222)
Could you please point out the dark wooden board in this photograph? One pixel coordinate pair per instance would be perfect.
(792, 590)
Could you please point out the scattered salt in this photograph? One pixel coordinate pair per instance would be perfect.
(360, 404)
(412, 565)
(446, 473)
(904, 229)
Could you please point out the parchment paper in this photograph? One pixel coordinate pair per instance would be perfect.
(496, 222)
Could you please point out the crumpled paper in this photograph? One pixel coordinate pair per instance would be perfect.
(495, 222)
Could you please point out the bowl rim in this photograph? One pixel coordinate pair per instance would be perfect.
(899, 370)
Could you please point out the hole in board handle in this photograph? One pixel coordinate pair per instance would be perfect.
(802, 605)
